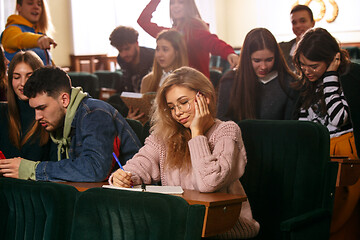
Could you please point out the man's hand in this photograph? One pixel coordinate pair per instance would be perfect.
(45, 42)
(10, 167)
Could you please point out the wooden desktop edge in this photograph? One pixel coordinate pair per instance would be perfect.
(348, 170)
(218, 206)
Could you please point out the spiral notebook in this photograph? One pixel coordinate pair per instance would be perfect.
(174, 190)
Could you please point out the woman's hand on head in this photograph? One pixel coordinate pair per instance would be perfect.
(233, 60)
(334, 65)
(120, 178)
(45, 42)
(202, 118)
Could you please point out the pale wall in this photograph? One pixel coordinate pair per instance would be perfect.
(61, 19)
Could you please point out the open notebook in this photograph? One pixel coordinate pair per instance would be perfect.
(176, 190)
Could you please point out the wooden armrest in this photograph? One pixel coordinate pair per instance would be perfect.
(348, 171)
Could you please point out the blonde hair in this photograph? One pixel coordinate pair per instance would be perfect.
(177, 42)
(45, 24)
(164, 126)
(34, 61)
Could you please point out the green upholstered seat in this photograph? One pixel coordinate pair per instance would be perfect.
(35, 210)
(289, 179)
(118, 214)
(110, 79)
(351, 86)
(88, 81)
(142, 131)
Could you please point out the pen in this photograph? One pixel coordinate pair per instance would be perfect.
(117, 160)
(143, 187)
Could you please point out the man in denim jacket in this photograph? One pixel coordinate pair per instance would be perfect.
(83, 128)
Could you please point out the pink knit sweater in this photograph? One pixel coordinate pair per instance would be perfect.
(218, 161)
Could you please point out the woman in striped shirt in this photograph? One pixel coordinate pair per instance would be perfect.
(321, 65)
(324, 69)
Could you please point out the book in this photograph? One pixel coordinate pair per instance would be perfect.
(174, 190)
(142, 101)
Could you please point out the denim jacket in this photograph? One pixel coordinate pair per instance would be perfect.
(93, 130)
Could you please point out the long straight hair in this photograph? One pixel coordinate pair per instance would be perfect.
(164, 126)
(44, 24)
(192, 19)
(31, 59)
(244, 94)
(177, 42)
(317, 45)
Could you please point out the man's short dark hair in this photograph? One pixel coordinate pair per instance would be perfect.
(123, 35)
(49, 80)
(300, 7)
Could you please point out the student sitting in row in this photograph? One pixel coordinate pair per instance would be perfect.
(260, 87)
(83, 128)
(20, 135)
(329, 83)
(170, 54)
(27, 30)
(189, 147)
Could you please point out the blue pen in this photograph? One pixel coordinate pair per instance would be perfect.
(117, 160)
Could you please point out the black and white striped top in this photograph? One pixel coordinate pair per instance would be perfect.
(337, 118)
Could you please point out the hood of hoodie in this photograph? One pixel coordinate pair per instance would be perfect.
(20, 20)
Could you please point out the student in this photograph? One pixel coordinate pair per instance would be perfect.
(20, 135)
(302, 19)
(3, 74)
(324, 67)
(170, 54)
(189, 147)
(260, 87)
(135, 61)
(200, 42)
(27, 30)
(83, 128)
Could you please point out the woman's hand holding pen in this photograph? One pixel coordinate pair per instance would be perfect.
(45, 42)
(334, 65)
(121, 178)
(202, 120)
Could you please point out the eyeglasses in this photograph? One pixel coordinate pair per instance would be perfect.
(183, 106)
(310, 69)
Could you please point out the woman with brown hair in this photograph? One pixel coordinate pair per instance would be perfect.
(170, 54)
(260, 87)
(21, 136)
(199, 41)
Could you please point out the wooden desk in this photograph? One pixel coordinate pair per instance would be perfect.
(348, 171)
(221, 209)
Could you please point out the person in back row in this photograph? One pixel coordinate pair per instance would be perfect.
(302, 19)
(170, 54)
(199, 41)
(260, 87)
(83, 128)
(28, 30)
(135, 61)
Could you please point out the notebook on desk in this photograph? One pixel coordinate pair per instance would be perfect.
(174, 190)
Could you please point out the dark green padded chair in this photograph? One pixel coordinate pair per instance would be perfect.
(351, 85)
(117, 214)
(142, 131)
(109, 79)
(35, 210)
(88, 81)
(289, 179)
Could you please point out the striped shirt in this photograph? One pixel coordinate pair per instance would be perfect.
(337, 119)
